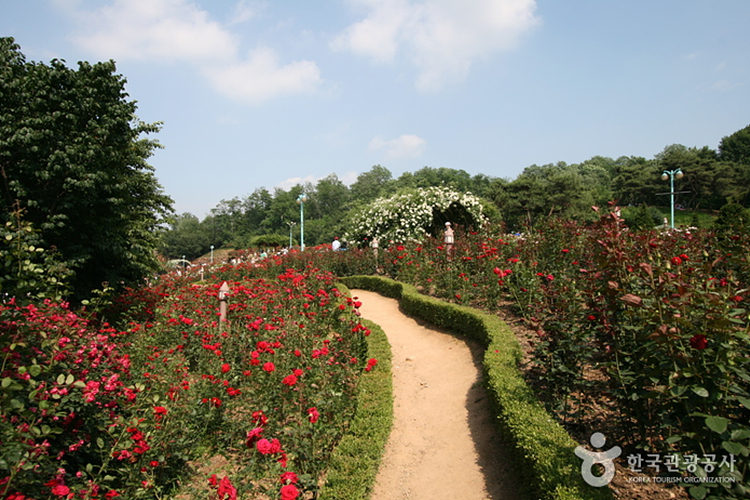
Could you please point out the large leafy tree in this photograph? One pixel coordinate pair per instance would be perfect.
(185, 237)
(736, 147)
(73, 161)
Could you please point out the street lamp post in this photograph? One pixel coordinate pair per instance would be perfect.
(301, 199)
(671, 175)
(290, 224)
(212, 254)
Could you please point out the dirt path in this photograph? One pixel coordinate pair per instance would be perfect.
(443, 444)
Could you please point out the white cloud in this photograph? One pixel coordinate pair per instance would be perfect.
(243, 11)
(261, 77)
(180, 31)
(406, 146)
(294, 181)
(155, 29)
(442, 38)
(349, 178)
(723, 85)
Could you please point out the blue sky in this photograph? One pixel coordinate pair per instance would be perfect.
(274, 93)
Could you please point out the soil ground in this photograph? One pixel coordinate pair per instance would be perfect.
(443, 444)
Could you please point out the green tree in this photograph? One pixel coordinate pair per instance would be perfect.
(255, 206)
(736, 147)
(186, 236)
(73, 158)
(371, 185)
(636, 180)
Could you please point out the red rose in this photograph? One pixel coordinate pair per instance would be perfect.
(269, 367)
(699, 342)
(289, 492)
(264, 446)
(289, 478)
(60, 490)
(314, 415)
(253, 436)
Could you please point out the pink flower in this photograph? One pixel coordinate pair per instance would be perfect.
(253, 436)
(90, 391)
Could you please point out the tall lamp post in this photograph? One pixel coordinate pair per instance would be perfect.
(290, 224)
(301, 199)
(671, 175)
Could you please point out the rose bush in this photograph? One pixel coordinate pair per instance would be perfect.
(92, 411)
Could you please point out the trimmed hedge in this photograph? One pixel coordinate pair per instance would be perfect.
(356, 459)
(543, 449)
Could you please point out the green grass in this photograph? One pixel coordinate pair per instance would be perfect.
(356, 459)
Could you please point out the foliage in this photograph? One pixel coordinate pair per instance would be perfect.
(29, 272)
(733, 218)
(643, 217)
(72, 158)
(736, 147)
(185, 237)
(269, 240)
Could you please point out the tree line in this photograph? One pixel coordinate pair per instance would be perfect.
(82, 209)
(712, 178)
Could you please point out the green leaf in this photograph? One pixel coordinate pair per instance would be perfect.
(698, 492)
(69, 379)
(100, 442)
(61, 379)
(733, 448)
(35, 370)
(6, 382)
(700, 391)
(717, 424)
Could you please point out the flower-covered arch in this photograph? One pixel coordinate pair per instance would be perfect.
(413, 215)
